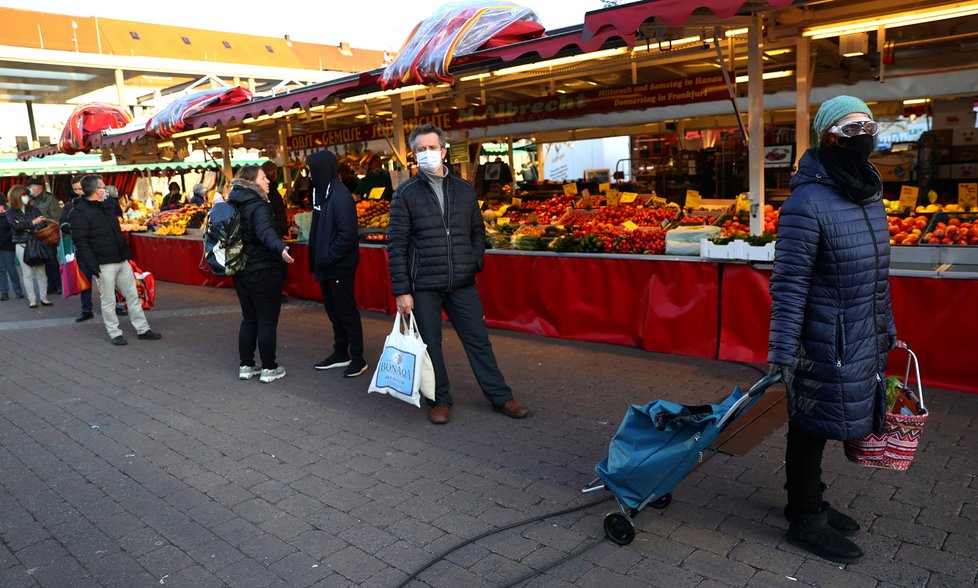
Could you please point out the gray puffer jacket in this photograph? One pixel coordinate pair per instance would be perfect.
(830, 315)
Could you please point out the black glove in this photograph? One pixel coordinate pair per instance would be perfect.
(891, 342)
(777, 370)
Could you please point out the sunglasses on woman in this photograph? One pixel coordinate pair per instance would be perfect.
(869, 127)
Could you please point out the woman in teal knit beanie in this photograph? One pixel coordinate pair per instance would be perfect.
(831, 320)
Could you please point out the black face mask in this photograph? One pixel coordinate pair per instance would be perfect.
(858, 147)
(847, 162)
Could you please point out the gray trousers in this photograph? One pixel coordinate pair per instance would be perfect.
(119, 276)
(464, 309)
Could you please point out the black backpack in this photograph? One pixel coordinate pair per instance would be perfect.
(223, 243)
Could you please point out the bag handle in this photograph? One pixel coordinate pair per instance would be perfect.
(405, 325)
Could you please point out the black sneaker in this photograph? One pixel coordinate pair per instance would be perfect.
(356, 367)
(85, 316)
(120, 340)
(151, 335)
(333, 361)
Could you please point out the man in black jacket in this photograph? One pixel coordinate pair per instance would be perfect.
(437, 240)
(334, 254)
(50, 208)
(86, 295)
(102, 249)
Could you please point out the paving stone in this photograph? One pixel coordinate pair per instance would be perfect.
(266, 549)
(205, 488)
(300, 570)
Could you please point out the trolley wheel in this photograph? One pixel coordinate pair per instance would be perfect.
(619, 528)
(662, 502)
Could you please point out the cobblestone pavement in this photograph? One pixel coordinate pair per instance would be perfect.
(151, 465)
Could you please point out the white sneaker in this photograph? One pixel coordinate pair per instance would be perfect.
(247, 372)
(272, 375)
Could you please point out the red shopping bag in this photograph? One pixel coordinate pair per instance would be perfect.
(145, 287)
(73, 281)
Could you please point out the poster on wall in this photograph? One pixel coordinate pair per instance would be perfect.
(778, 156)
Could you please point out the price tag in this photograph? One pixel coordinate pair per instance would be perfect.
(502, 221)
(586, 193)
(658, 202)
(693, 199)
(604, 187)
(376, 193)
(480, 204)
(908, 196)
(502, 209)
(627, 197)
(560, 227)
(967, 195)
(630, 225)
(570, 189)
(517, 202)
(613, 197)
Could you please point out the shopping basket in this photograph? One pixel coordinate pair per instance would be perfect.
(656, 446)
(895, 446)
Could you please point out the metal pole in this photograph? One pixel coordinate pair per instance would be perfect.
(512, 169)
(30, 121)
(283, 150)
(803, 91)
(226, 151)
(120, 88)
(755, 100)
(400, 144)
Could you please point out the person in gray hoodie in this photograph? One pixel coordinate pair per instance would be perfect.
(334, 253)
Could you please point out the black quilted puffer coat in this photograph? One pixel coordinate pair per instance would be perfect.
(831, 317)
(431, 249)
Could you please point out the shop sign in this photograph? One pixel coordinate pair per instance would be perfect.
(458, 152)
(968, 195)
(602, 100)
(908, 196)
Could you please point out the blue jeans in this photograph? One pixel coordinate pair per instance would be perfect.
(9, 271)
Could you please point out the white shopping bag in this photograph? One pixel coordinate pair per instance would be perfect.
(401, 363)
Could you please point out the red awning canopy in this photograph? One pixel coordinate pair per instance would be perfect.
(39, 152)
(673, 13)
(602, 26)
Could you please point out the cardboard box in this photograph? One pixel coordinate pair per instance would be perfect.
(964, 171)
(964, 154)
(956, 119)
(965, 136)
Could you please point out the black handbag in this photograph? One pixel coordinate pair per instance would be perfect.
(36, 252)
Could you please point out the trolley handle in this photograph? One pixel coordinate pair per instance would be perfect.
(765, 383)
(756, 390)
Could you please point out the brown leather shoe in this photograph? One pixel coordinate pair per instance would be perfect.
(512, 409)
(440, 414)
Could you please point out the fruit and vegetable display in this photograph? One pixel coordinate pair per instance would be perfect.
(373, 214)
(540, 212)
(955, 230)
(176, 222)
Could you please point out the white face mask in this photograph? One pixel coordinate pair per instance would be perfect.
(430, 161)
(25, 199)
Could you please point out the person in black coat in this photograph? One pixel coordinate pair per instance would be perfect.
(831, 319)
(259, 284)
(86, 295)
(334, 253)
(436, 243)
(24, 221)
(103, 250)
(9, 275)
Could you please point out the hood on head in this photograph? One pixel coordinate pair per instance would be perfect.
(238, 184)
(323, 166)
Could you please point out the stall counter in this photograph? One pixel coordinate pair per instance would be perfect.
(686, 306)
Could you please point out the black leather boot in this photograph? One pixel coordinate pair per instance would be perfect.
(841, 522)
(811, 532)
